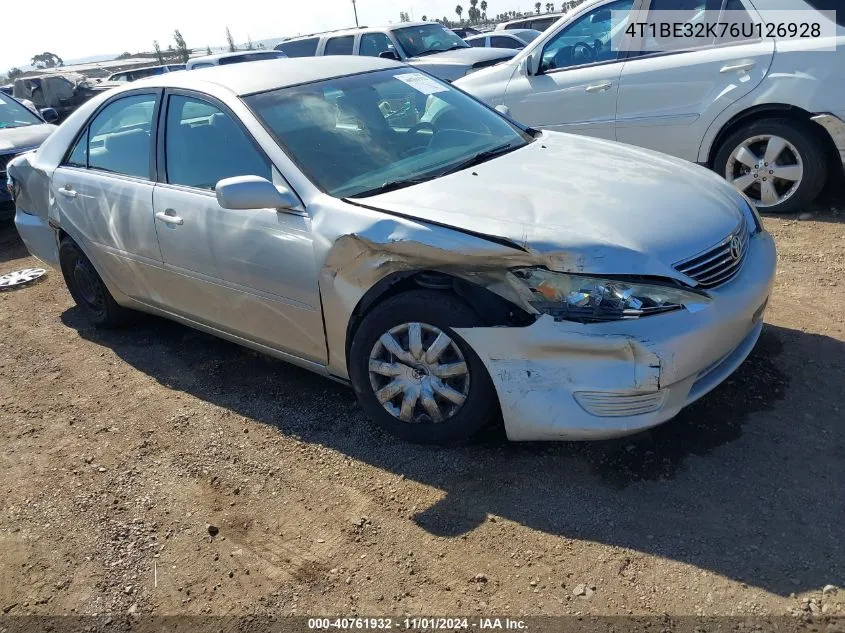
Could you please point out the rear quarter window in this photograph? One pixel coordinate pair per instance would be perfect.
(339, 45)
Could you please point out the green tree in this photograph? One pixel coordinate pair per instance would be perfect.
(47, 60)
(483, 5)
(425, 18)
(459, 9)
(231, 41)
(183, 53)
(13, 74)
(207, 50)
(125, 55)
(159, 54)
(537, 7)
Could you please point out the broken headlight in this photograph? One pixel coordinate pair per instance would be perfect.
(569, 297)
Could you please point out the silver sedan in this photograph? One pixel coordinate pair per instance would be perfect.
(371, 223)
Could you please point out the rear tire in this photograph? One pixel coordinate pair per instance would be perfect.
(436, 377)
(755, 156)
(87, 288)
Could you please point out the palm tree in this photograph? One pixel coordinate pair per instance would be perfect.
(459, 9)
(483, 6)
(537, 7)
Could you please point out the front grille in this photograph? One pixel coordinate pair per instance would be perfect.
(719, 264)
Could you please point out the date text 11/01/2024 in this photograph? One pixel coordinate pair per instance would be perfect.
(416, 624)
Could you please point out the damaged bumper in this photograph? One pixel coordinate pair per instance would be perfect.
(564, 380)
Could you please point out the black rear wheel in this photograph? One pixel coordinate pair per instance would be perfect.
(87, 288)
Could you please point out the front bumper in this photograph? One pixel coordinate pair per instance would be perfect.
(573, 381)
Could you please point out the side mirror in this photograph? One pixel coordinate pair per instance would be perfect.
(389, 55)
(503, 109)
(530, 65)
(254, 192)
(49, 114)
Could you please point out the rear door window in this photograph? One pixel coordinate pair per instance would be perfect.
(119, 136)
(499, 41)
(300, 48)
(339, 45)
(478, 43)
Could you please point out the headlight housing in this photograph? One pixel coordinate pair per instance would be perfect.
(754, 218)
(569, 297)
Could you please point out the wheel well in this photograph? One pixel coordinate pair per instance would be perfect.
(490, 307)
(772, 111)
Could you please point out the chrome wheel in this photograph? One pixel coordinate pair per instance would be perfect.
(418, 373)
(767, 168)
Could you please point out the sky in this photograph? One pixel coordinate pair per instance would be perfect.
(102, 27)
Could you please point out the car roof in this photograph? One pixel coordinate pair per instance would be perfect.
(270, 74)
(360, 29)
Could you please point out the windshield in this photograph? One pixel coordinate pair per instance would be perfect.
(427, 38)
(353, 135)
(13, 114)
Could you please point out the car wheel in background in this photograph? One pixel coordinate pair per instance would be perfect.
(414, 376)
(87, 288)
(778, 163)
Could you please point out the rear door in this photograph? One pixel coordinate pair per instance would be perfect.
(667, 100)
(251, 272)
(104, 189)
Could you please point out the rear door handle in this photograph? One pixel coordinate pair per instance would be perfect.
(169, 217)
(738, 68)
(599, 87)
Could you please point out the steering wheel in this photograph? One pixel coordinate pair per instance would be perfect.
(422, 125)
(583, 52)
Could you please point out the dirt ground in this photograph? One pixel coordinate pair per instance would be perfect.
(120, 449)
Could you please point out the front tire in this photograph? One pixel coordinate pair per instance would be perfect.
(414, 376)
(778, 163)
(87, 288)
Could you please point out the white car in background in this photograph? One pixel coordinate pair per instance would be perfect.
(516, 39)
(767, 114)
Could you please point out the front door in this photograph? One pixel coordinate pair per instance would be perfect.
(575, 87)
(250, 273)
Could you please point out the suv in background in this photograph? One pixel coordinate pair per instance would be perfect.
(223, 59)
(133, 74)
(428, 46)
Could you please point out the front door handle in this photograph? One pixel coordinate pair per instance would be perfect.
(738, 68)
(67, 192)
(169, 216)
(599, 87)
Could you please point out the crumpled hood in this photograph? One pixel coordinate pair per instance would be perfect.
(20, 138)
(582, 205)
(464, 56)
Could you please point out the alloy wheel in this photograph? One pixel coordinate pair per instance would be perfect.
(767, 168)
(419, 374)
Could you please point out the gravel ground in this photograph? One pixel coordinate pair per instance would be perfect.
(160, 470)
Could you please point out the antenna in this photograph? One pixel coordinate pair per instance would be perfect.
(355, 9)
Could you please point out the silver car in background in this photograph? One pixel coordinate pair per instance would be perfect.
(371, 223)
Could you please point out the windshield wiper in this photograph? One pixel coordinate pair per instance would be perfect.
(431, 51)
(393, 185)
(481, 157)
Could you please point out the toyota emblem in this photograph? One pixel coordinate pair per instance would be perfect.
(736, 248)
